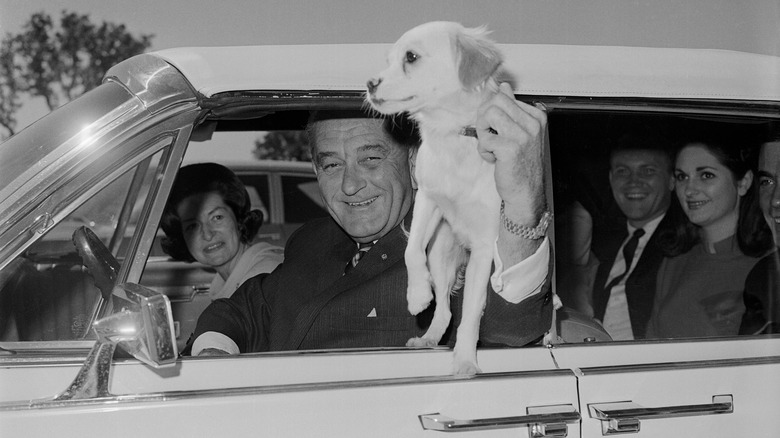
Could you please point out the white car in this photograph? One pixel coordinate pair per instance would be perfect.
(131, 134)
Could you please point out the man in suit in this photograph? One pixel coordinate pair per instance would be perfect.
(762, 286)
(364, 168)
(641, 178)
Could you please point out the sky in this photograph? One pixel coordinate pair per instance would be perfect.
(747, 25)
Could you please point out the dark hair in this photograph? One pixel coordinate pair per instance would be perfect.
(753, 234)
(645, 138)
(402, 129)
(198, 179)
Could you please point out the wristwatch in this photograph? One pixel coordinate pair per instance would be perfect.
(523, 231)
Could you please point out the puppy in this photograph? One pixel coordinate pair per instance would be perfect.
(440, 73)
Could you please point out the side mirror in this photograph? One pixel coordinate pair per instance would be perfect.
(143, 329)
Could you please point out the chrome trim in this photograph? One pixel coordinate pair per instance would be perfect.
(623, 417)
(154, 81)
(673, 366)
(177, 396)
(538, 422)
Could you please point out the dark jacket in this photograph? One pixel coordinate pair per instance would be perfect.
(640, 285)
(762, 297)
(307, 302)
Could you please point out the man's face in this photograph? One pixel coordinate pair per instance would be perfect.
(364, 176)
(642, 184)
(768, 190)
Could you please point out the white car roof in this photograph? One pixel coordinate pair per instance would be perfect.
(556, 70)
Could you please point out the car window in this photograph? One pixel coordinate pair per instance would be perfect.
(302, 201)
(46, 293)
(674, 287)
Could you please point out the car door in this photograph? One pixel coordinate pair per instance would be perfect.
(335, 393)
(717, 386)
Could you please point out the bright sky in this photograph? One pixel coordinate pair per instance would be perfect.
(726, 24)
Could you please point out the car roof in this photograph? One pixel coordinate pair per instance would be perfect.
(554, 70)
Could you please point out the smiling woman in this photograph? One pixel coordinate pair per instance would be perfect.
(699, 291)
(208, 218)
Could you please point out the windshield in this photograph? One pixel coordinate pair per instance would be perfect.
(32, 150)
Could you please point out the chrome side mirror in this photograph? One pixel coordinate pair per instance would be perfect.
(143, 329)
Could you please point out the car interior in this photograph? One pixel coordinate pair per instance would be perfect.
(47, 293)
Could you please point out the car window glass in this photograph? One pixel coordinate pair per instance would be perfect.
(302, 201)
(663, 291)
(46, 293)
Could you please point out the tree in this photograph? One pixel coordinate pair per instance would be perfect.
(59, 64)
(283, 145)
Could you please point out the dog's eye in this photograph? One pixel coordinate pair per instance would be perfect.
(411, 57)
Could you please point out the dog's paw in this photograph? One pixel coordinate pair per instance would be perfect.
(421, 342)
(464, 368)
(418, 297)
(417, 304)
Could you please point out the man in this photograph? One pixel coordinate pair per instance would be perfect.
(364, 173)
(762, 286)
(642, 183)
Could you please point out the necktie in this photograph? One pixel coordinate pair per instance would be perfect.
(362, 250)
(628, 254)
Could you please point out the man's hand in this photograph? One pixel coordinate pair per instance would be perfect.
(512, 135)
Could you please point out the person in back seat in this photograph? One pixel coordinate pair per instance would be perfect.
(208, 218)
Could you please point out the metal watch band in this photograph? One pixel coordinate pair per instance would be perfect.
(527, 232)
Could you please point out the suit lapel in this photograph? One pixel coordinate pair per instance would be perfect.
(334, 283)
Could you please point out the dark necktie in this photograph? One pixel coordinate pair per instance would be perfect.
(628, 255)
(362, 250)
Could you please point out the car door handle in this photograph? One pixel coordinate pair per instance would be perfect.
(623, 417)
(543, 421)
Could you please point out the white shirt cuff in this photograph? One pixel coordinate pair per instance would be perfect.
(214, 340)
(524, 279)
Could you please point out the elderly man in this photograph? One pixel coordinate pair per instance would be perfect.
(762, 286)
(364, 168)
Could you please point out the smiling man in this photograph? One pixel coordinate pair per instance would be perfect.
(762, 286)
(641, 180)
(321, 297)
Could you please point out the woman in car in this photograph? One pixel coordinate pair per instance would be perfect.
(208, 218)
(708, 257)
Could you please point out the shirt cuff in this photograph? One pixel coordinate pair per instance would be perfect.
(214, 340)
(524, 279)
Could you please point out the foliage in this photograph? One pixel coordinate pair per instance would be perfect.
(283, 145)
(59, 63)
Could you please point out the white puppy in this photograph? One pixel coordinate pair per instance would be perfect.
(440, 73)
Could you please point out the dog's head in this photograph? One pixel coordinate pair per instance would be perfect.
(429, 64)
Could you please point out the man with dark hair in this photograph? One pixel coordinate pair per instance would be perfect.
(365, 173)
(762, 286)
(625, 261)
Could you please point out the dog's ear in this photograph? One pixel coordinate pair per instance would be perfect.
(477, 56)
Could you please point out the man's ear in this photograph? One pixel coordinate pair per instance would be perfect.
(744, 184)
(478, 58)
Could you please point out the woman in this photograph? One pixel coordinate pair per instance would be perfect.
(208, 218)
(700, 283)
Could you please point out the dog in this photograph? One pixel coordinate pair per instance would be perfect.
(440, 73)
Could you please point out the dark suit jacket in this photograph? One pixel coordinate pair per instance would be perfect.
(306, 303)
(762, 297)
(640, 285)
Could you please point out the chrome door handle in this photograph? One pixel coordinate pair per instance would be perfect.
(542, 421)
(623, 417)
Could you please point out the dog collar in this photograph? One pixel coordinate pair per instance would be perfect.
(468, 131)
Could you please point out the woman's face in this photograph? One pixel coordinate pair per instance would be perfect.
(210, 229)
(707, 190)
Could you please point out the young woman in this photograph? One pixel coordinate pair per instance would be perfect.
(208, 218)
(700, 283)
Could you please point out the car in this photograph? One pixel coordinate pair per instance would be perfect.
(74, 286)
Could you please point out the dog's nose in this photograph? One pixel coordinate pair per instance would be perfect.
(372, 84)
